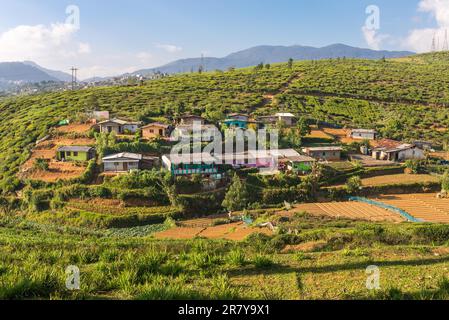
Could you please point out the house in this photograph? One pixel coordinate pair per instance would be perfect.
(288, 119)
(119, 126)
(204, 132)
(188, 164)
(396, 151)
(363, 134)
(75, 153)
(331, 153)
(155, 130)
(124, 162)
(236, 121)
(291, 160)
(423, 145)
(189, 120)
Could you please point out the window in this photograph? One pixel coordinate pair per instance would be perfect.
(151, 131)
(75, 154)
(69, 154)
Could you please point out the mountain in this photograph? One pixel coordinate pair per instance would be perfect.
(273, 54)
(20, 72)
(61, 76)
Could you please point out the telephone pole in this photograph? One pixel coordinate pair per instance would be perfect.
(74, 77)
(445, 44)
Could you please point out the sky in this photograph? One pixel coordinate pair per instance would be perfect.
(110, 37)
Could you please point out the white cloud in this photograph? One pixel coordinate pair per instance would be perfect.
(40, 43)
(420, 40)
(373, 38)
(169, 48)
(84, 48)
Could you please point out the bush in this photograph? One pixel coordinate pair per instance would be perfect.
(353, 185)
(263, 262)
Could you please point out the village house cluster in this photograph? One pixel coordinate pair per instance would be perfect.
(213, 165)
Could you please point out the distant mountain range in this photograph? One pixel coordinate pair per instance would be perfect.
(14, 73)
(273, 54)
(19, 73)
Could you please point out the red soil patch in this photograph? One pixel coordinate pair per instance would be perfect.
(235, 231)
(57, 170)
(75, 128)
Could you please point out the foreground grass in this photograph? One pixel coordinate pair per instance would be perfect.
(33, 260)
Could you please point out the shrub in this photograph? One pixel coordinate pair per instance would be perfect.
(353, 185)
(263, 261)
(236, 258)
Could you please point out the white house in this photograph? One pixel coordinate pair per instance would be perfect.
(119, 126)
(287, 118)
(124, 162)
(363, 134)
(396, 151)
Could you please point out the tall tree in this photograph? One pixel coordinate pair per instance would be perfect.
(236, 198)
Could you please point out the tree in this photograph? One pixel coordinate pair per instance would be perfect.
(353, 185)
(445, 182)
(290, 63)
(303, 127)
(236, 198)
(268, 66)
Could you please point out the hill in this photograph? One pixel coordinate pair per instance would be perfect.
(402, 99)
(274, 54)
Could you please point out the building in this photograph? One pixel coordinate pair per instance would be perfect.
(291, 160)
(189, 120)
(119, 126)
(206, 132)
(155, 130)
(124, 162)
(331, 153)
(75, 153)
(423, 145)
(288, 119)
(391, 150)
(195, 163)
(211, 165)
(363, 134)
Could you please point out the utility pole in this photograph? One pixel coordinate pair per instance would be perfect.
(74, 77)
(434, 45)
(445, 44)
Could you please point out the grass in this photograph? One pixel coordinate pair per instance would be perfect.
(412, 259)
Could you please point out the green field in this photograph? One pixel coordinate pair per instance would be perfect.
(105, 226)
(328, 261)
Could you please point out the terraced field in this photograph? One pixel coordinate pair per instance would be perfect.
(234, 231)
(421, 206)
(399, 179)
(348, 210)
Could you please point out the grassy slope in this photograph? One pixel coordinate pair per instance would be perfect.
(33, 259)
(375, 92)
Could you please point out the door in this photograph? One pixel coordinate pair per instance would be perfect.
(125, 166)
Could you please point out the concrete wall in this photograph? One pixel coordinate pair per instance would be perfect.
(363, 136)
(120, 166)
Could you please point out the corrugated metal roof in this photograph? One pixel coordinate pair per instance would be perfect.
(75, 149)
(123, 156)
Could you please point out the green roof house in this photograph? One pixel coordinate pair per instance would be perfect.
(75, 153)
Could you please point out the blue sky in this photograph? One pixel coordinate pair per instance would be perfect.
(116, 36)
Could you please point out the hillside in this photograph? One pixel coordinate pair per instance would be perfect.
(273, 54)
(403, 99)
